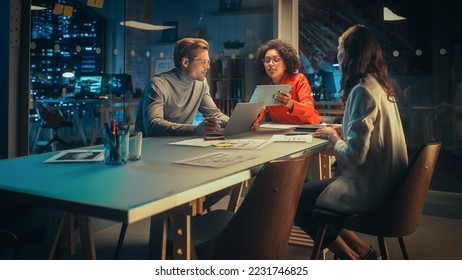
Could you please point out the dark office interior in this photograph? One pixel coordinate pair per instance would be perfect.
(110, 60)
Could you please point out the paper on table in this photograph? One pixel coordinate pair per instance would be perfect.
(292, 138)
(216, 160)
(244, 144)
(278, 125)
(77, 156)
(265, 94)
(196, 142)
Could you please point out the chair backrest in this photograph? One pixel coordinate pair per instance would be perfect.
(261, 227)
(401, 214)
(53, 119)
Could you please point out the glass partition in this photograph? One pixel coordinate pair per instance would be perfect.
(90, 60)
(422, 45)
(114, 47)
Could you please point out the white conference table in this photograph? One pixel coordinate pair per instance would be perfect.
(136, 190)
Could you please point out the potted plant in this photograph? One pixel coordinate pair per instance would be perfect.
(233, 47)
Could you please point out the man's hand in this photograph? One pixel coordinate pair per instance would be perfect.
(208, 125)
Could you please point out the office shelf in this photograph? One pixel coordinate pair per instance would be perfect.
(227, 82)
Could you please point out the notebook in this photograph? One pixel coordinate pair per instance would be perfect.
(242, 118)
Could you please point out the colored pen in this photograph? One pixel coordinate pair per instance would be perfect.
(113, 128)
(211, 138)
(115, 140)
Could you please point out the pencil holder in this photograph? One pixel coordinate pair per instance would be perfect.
(116, 147)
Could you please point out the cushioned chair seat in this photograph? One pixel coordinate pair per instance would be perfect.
(214, 221)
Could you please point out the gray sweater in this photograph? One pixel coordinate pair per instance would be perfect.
(170, 102)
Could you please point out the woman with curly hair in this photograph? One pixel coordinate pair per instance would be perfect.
(279, 61)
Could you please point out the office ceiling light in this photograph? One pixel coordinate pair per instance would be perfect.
(37, 8)
(145, 26)
(68, 73)
(389, 15)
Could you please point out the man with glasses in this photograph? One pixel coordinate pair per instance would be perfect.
(168, 106)
(172, 99)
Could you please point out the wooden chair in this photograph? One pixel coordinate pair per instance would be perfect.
(399, 216)
(261, 226)
(320, 169)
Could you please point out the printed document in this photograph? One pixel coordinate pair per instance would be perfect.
(77, 156)
(216, 160)
(292, 138)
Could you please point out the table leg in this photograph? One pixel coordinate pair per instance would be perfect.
(182, 247)
(67, 243)
(157, 240)
(197, 206)
(120, 242)
(57, 235)
(86, 237)
(235, 196)
(181, 227)
(321, 166)
(164, 238)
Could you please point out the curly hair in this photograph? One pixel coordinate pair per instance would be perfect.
(288, 54)
(362, 56)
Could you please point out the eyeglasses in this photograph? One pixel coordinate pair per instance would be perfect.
(275, 60)
(203, 61)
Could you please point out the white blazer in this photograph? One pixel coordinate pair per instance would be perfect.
(372, 157)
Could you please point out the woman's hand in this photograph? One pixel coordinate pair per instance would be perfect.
(255, 126)
(327, 132)
(337, 128)
(285, 99)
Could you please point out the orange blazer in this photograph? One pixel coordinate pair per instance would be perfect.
(303, 112)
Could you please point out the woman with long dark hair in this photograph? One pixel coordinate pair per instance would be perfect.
(370, 147)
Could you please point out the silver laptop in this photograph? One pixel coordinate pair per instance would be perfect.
(242, 118)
